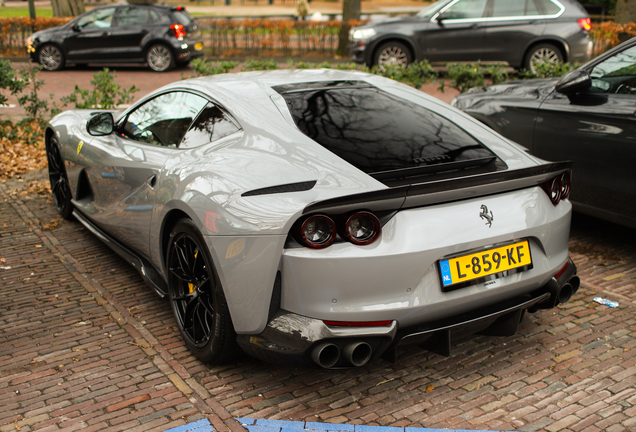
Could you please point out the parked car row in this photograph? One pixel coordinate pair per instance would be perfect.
(522, 33)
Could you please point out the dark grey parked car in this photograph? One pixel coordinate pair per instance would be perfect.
(587, 117)
(519, 32)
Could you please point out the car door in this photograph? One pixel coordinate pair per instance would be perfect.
(147, 137)
(90, 40)
(597, 131)
(456, 33)
(132, 24)
(510, 26)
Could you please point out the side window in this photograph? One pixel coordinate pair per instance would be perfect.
(211, 125)
(163, 120)
(616, 75)
(132, 16)
(514, 8)
(99, 18)
(549, 7)
(466, 9)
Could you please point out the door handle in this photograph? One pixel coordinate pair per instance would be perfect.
(105, 34)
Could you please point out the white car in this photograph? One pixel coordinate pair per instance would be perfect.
(317, 217)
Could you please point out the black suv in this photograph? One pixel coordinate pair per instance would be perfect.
(161, 36)
(519, 32)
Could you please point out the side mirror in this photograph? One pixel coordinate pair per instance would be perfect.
(101, 124)
(76, 28)
(573, 82)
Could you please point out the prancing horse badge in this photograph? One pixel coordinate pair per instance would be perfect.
(487, 217)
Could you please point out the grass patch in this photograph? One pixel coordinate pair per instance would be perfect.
(14, 12)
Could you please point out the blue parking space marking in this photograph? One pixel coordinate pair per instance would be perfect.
(197, 426)
(261, 425)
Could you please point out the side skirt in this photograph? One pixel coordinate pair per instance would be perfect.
(145, 269)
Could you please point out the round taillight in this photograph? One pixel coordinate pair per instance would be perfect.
(318, 231)
(554, 190)
(362, 228)
(565, 185)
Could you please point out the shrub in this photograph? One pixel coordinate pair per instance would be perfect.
(104, 95)
(259, 65)
(203, 67)
(465, 76)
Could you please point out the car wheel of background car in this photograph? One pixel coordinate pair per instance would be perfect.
(160, 58)
(59, 182)
(197, 297)
(392, 53)
(51, 57)
(542, 53)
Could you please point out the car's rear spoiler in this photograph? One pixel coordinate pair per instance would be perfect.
(442, 191)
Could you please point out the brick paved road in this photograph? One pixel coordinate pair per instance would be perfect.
(84, 343)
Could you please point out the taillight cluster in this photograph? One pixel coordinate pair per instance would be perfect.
(319, 231)
(558, 188)
(585, 23)
(178, 30)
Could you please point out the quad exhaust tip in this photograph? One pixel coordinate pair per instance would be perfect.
(357, 353)
(327, 354)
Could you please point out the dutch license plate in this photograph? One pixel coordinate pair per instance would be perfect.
(488, 264)
(198, 46)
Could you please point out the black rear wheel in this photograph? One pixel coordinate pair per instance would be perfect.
(59, 181)
(160, 58)
(196, 296)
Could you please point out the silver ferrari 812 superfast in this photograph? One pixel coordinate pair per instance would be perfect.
(317, 217)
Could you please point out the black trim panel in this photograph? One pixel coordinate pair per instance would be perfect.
(442, 191)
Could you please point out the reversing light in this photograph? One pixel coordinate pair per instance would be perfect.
(362, 228)
(318, 231)
(554, 190)
(178, 30)
(585, 23)
(565, 185)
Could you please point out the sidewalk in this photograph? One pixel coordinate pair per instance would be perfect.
(84, 343)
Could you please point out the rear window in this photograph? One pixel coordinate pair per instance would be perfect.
(379, 133)
(183, 17)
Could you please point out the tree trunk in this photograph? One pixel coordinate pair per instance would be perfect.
(350, 11)
(67, 8)
(625, 11)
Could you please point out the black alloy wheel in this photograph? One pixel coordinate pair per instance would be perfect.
(59, 181)
(196, 297)
(51, 57)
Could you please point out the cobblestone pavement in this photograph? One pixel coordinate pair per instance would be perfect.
(84, 343)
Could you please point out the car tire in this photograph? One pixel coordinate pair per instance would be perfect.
(60, 188)
(197, 298)
(542, 53)
(160, 58)
(51, 57)
(392, 53)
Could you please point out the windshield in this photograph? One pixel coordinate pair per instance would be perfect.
(433, 9)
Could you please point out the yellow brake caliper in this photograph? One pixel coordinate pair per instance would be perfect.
(191, 288)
